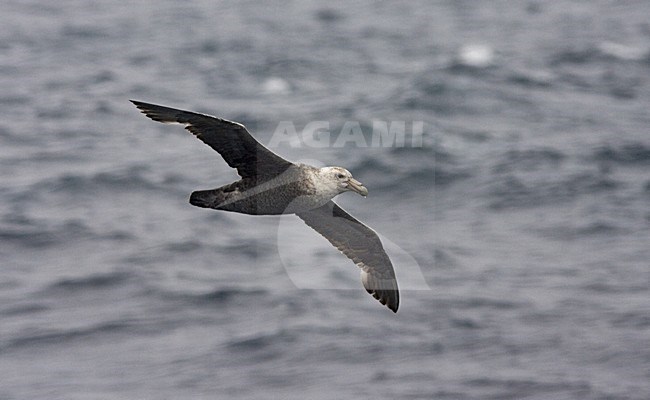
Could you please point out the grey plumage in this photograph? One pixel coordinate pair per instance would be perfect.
(360, 244)
(272, 196)
(272, 185)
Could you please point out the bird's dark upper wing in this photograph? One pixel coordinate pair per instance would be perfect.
(362, 245)
(230, 139)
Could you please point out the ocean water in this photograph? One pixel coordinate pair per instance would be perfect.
(526, 209)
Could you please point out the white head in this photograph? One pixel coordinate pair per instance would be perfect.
(340, 180)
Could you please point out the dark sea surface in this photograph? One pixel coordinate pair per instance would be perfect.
(526, 210)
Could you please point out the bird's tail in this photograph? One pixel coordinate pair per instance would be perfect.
(206, 198)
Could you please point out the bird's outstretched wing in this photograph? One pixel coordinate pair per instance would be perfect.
(230, 139)
(360, 244)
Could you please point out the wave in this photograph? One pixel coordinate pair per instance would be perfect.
(219, 296)
(574, 56)
(37, 236)
(124, 180)
(615, 287)
(434, 95)
(531, 79)
(627, 154)
(228, 294)
(639, 320)
(519, 388)
(619, 81)
(23, 231)
(187, 246)
(598, 228)
(481, 302)
(260, 341)
(529, 160)
(251, 248)
(513, 192)
(23, 309)
(102, 184)
(59, 337)
(90, 282)
(465, 323)
(604, 51)
(412, 168)
(567, 232)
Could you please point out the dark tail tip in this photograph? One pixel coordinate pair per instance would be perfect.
(202, 198)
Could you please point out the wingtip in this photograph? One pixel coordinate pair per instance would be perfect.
(137, 103)
(392, 304)
(389, 298)
(383, 290)
(391, 301)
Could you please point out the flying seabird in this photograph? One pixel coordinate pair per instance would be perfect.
(271, 185)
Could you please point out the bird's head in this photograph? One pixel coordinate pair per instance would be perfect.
(341, 180)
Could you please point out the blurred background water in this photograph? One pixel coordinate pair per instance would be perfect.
(527, 208)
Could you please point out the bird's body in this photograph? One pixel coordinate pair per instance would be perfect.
(271, 185)
(293, 191)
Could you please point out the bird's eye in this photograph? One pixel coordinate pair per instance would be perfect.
(340, 176)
